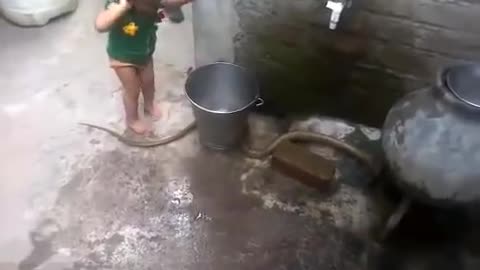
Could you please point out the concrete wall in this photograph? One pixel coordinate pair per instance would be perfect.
(381, 49)
(215, 24)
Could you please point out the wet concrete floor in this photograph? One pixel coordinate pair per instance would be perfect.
(74, 198)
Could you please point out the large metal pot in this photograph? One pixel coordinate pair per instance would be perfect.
(431, 139)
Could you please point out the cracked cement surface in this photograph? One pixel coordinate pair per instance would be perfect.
(75, 198)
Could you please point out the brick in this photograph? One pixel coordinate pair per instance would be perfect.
(457, 15)
(452, 43)
(298, 162)
(406, 61)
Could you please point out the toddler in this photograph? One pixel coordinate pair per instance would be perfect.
(131, 43)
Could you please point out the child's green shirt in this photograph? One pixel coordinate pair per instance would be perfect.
(132, 38)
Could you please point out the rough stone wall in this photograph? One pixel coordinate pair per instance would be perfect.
(381, 49)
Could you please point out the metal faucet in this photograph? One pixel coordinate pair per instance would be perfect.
(337, 7)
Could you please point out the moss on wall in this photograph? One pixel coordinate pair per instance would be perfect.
(380, 50)
(323, 78)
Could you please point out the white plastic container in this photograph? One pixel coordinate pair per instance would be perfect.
(35, 12)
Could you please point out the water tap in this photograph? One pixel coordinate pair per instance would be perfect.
(337, 7)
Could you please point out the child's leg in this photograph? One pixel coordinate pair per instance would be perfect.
(147, 78)
(130, 80)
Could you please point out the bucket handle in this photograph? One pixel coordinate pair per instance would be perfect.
(259, 102)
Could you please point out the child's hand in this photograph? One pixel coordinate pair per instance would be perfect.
(125, 4)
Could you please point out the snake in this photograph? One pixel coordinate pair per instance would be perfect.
(298, 136)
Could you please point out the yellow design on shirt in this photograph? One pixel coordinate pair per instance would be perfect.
(130, 29)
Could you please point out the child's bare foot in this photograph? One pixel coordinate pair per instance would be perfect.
(157, 111)
(138, 127)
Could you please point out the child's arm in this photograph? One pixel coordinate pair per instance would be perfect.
(110, 15)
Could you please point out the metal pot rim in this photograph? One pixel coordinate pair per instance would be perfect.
(445, 82)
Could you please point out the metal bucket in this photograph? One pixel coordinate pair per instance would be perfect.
(221, 95)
